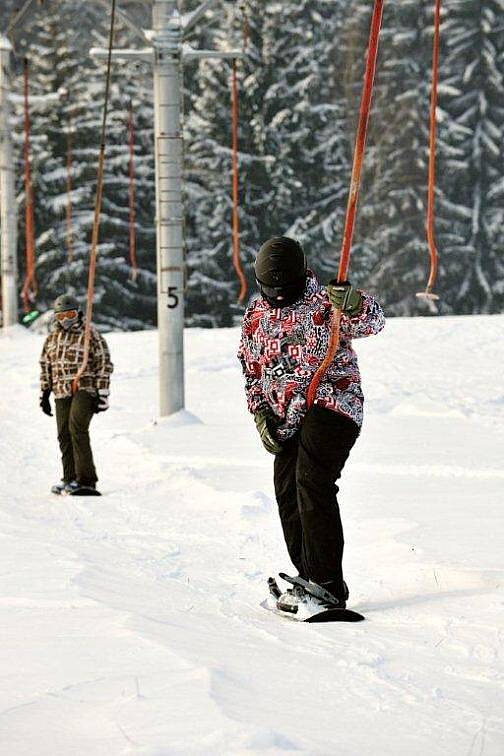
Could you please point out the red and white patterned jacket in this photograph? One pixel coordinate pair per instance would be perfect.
(281, 349)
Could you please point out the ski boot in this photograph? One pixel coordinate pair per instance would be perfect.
(339, 600)
(63, 487)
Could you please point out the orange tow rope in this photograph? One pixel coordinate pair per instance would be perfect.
(236, 228)
(97, 210)
(431, 240)
(131, 195)
(69, 228)
(353, 197)
(29, 290)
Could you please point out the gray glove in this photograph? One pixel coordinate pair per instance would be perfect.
(266, 425)
(344, 297)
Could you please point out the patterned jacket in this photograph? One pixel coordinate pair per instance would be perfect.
(62, 356)
(281, 349)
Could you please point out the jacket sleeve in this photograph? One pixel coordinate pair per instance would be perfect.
(102, 366)
(45, 369)
(369, 321)
(252, 371)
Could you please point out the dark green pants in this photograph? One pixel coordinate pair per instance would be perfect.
(73, 416)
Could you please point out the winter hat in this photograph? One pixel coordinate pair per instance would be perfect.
(66, 302)
(280, 262)
(280, 270)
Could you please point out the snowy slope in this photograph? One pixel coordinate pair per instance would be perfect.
(132, 624)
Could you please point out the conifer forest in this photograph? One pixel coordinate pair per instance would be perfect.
(299, 93)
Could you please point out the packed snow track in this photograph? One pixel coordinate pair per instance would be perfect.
(132, 624)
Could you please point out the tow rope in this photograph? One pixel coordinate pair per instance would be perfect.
(69, 168)
(431, 239)
(29, 290)
(131, 195)
(236, 253)
(236, 221)
(360, 143)
(97, 210)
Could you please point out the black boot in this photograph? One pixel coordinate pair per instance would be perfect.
(340, 593)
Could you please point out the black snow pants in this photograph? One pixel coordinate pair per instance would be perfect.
(305, 473)
(73, 416)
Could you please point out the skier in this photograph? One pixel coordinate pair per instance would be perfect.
(285, 336)
(60, 360)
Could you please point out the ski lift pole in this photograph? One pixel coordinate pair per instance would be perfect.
(431, 239)
(360, 144)
(167, 52)
(8, 214)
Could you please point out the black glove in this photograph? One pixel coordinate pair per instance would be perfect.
(344, 297)
(266, 425)
(44, 402)
(102, 403)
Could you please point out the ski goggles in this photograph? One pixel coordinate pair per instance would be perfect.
(70, 314)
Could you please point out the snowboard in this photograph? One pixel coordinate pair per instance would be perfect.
(85, 491)
(303, 612)
(82, 491)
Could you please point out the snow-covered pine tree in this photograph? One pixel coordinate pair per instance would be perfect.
(69, 90)
(493, 213)
(472, 157)
(212, 286)
(389, 255)
(303, 126)
(121, 302)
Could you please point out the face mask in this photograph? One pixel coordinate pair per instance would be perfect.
(282, 296)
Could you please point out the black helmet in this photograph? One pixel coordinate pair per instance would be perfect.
(66, 302)
(280, 270)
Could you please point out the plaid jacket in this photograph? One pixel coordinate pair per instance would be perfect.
(280, 350)
(62, 356)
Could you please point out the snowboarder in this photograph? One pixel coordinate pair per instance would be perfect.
(285, 335)
(60, 360)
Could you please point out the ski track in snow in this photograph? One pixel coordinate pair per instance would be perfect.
(132, 624)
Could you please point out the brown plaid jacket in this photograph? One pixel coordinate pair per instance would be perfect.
(62, 356)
